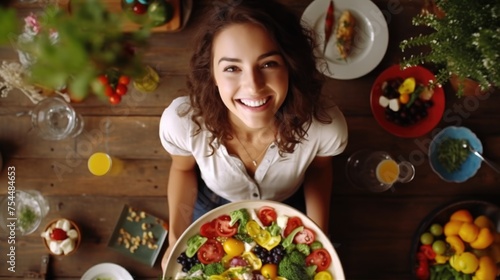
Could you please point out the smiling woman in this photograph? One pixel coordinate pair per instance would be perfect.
(255, 124)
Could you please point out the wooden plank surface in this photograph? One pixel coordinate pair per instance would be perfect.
(374, 232)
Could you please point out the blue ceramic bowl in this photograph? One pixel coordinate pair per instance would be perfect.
(471, 164)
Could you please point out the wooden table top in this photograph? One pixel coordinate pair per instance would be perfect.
(374, 231)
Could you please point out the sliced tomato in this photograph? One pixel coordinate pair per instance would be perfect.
(293, 223)
(319, 257)
(210, 252)
(208, 230)
(223, 228)
(306, 236)
(267, 215)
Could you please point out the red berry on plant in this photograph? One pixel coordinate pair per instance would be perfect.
(115, 99)
(121, 89)
(124, 80)
(108, 90)
(58, 234)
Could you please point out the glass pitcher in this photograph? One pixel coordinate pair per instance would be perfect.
(377, 171)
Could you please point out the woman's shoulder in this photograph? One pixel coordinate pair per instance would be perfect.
(178, 109)
(336, 127)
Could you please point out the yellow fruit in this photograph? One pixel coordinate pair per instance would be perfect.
(452, 228)
(441, 259)
(462, 215)
(233, 247)
(487, 269)
(483, 221)
(484, 239)
(269, 271)
(408, 86)
(468, 232)
(467, 262)
(323, 275)
(454, 262)
(456, 244)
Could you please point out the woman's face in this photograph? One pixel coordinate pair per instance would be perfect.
(250, 74)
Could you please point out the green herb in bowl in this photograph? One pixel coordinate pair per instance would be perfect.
(27, 218)
(451, 154)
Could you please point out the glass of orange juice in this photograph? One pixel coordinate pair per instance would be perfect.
(101, 164)
(377, 171)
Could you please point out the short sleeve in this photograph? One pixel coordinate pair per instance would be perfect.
(175, 130)
(333, 136)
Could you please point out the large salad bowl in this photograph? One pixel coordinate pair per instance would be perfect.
(174, 269)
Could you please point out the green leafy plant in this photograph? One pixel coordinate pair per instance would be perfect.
(8, 24)
(464, 41)
(71, 49)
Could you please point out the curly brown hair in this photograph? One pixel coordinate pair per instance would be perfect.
(296, 44)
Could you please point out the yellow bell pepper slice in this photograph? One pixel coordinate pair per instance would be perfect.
(252, 260)
(456, 244)
(253, 228)
(261, 236)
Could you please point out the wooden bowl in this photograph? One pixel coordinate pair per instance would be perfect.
(73, 226)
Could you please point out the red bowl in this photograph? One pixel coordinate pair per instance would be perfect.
(435, 113)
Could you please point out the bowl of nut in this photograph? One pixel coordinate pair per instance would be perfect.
(62, 237)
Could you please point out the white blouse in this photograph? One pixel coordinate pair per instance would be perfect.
(276, 178)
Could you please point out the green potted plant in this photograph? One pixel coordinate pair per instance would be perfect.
(463, 42)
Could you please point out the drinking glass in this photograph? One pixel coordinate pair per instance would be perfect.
(55, 119)
(148, 82)
(23, 212)
(100, 164)
(377, 171)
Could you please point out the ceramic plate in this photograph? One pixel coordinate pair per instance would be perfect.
(421, 75)
(471, 164)
(108, 271)
(370, 41)
(151, 230)
(442, 214)
(282, 209)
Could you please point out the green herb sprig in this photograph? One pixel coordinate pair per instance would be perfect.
(27, 218)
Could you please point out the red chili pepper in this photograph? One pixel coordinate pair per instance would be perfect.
(329, 21)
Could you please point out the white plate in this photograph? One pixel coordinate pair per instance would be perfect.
(109, 271)
(281, 209)
(370, 41)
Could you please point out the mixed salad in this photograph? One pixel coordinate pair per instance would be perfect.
(254, 244)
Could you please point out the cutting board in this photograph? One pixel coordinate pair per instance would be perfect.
(114, 6)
